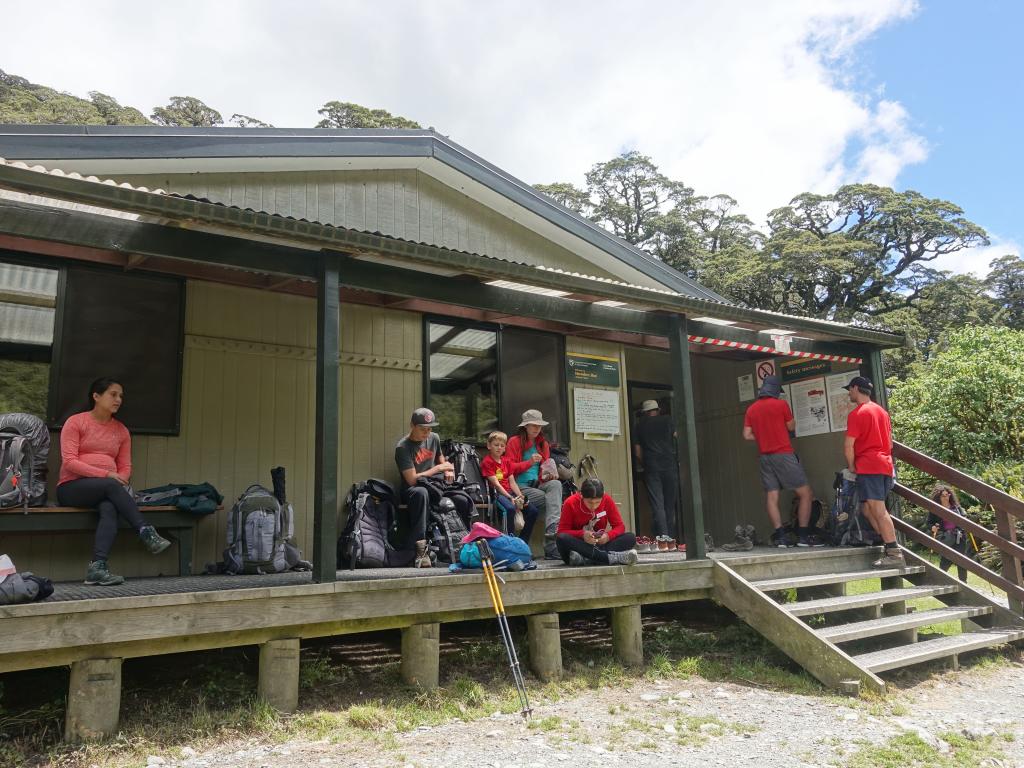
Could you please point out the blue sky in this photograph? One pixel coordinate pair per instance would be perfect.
(958, 69)
(758, 99)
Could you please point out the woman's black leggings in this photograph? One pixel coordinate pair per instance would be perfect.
(566, 543)
(110, 499)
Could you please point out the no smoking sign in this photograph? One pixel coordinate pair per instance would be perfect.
(762, 371)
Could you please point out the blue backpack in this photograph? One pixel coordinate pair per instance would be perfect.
(504, 548)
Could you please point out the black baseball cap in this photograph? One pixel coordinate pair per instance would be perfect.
(860, 382)
(423, 417)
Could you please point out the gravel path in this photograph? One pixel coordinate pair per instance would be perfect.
(678, 723)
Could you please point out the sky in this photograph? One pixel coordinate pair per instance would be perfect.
(758, 99)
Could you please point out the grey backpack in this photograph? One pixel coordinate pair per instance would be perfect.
(260, 535)
(15, 470)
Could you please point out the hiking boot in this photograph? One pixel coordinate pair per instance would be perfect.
(629, 557)
(576, 559)
(709, 543)
(153, 541)
(810, 541)
(98, 576)
(893, 558)
(422, 555)
(779, 540)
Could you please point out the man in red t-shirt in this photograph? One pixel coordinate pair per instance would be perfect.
(868, 450)
(769, 421)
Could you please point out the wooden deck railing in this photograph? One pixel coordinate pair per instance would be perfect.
(1007, 510)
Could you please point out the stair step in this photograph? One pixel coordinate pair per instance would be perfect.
(843, 633)
(915, 653)
(798, 582)
(830, 604)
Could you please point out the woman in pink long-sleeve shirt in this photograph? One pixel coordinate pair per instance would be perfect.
(96, 466)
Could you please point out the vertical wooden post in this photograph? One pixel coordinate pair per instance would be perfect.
(325, 492)
(421, 655)
(545, 641)
(875, 372)
(685, 419)
(1007, 528)
(279, 674)
(628, 635)
(94, 700)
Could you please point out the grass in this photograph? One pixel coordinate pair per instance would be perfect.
(908, 750)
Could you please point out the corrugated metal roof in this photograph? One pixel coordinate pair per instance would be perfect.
(292, 227)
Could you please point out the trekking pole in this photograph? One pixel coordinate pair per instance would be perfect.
(506, 633)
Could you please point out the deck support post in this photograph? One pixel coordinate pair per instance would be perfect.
(627, 635)
(421, 655)
(907, 636)
(325, 474)
(545, 642)
(279, 674)
(684, 416)
(94, 700)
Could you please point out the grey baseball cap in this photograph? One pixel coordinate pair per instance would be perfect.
(423, 417)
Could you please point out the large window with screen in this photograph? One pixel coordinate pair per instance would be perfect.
(28, 302)
(481, 378)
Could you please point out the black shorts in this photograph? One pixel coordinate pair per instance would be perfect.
(874, 487)
(781, 470)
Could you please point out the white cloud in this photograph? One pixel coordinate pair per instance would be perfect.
(754, 99)
(976, 260)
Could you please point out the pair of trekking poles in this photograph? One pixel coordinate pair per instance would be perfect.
(487, 562)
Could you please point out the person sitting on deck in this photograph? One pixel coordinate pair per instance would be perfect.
(769, 421)
(591, 531)
(527, 450)
(96, 466)
(496, 468)
(417, 455)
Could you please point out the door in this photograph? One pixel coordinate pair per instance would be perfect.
(636, 393)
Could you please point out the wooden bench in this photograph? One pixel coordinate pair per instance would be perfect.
(179, 526)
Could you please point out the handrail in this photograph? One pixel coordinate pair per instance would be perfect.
(961, 561)
(1004, 538)
(997, 499)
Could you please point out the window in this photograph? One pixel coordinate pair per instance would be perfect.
(62, 327)
(482, 378)
(28, 300)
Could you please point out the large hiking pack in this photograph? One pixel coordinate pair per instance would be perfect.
(565, 469)
(467, 469)
(847, 525)
(446, 531)
(261, 534)
(363, 542)
(24, 449)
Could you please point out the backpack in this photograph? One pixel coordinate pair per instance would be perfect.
(438, 489)
(818, 523)
(847, 525)
(21, 587)
(467, 469)
(24, 449)
(364, 541)
(446, 531)
(260, 534)
(504, 549)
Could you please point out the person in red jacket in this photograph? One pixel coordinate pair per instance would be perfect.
(527, 450)
(591, 531)
(96, 467)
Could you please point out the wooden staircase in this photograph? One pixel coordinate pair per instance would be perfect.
(846, 622)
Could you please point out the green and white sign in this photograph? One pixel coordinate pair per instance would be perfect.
(592, 369)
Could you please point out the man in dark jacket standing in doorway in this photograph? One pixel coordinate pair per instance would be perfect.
(655, 451)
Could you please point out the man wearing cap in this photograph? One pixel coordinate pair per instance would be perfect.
(868, 450)
(768, 421)
(417, 455)
(654, 448)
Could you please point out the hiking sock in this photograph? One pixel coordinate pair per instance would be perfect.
(891, 545)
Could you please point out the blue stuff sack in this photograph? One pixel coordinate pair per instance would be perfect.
(469, 556)
(506, 549)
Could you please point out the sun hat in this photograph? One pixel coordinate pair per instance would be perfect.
(649, 405)
(480, 531)
(533, 416)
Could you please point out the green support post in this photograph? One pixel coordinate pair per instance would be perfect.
(325, 488)
(873, 366)
(685, 418)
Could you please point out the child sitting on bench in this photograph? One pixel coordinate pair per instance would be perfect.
(496, 468)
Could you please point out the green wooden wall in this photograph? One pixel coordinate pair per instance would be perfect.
(402, 203)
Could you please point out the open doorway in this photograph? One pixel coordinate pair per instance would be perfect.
(637, 392)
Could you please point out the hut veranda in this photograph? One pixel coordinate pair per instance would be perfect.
(287, 297)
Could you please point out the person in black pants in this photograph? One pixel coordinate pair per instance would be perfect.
(591, 531)
(96, 467)
(655, 451)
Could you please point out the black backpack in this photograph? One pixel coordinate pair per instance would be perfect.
(468, 474)
(446, 531)
(364, 541)
(847, 525)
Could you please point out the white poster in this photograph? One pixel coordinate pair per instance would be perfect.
(762, 370)
(786, 396)
(596, 410)
(810, 407)
(746, 387)
(839, 405)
